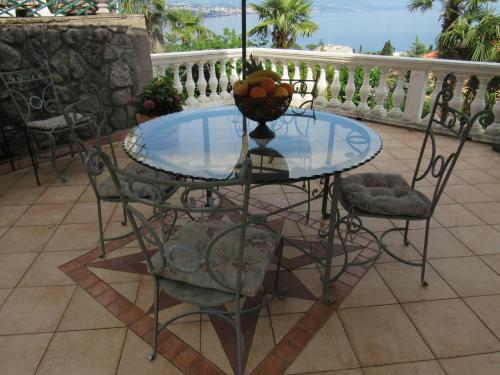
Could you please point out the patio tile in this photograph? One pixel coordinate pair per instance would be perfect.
(404, 281)
(390, 166)
(73, 178)
(442, 244)
(328, 350)
(34, 310)
(262, 344)
(134, 359)
(383, 335)
(492, 190)
(484, 364)
(86, 212)
(493, 261)
(475, 176)
(488, 212)
(45, 272)
(212, 349)
(451, 328)
(468, 276)
(3, 230)
(87, 352)
(356, 371)
(4, 293)
(488, 309)
(395, 244)
(13, 267)
(44, 214)
(74, 237)
(60, 194)
(480, 239)
(88, 195)
(370, 290)
(414, 368)
(466, 194)
(283, 323)
(452, 215)
(21, 354)
(84, 312)
(189, 332)
(484, 162)
(20, 196)
(10, 214)
(127, 290)
(29, 239)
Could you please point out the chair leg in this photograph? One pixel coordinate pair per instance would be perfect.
(240, 345)
(407, 226)
(53, 158)
(424, 255)
(124, 221)
(34, 161)
(101, 229)
(308, 198)
(152, 356)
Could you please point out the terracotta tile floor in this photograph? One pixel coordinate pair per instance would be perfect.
(65, 311)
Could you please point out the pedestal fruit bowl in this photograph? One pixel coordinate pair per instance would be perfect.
(262, 97)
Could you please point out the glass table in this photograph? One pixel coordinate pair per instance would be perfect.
(210, 144)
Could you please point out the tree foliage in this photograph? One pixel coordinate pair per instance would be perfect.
(388, 49)
(417, 48)
(184, 26)
(283, 20)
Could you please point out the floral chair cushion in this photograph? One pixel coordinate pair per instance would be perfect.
(184, 258)
(56, 122)
(384, 194)
(106, 188)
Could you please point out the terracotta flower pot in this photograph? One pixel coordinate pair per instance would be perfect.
(140, 118)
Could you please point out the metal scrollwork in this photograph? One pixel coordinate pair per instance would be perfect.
(93, 163)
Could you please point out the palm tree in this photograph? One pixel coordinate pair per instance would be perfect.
(284, 20)
(458, 15)
(154, 14)
(185, 25)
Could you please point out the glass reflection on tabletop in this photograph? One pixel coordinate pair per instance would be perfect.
(210, 143)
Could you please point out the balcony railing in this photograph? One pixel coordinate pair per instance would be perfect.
(393, 90)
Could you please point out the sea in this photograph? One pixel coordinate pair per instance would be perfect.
(355, 23)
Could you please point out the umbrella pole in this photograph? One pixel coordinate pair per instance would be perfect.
(243, 35)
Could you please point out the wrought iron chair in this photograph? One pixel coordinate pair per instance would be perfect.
(35, 97)
(207, 262)
(307, 90)
(389, 196)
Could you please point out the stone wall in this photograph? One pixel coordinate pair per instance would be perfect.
(110, 51)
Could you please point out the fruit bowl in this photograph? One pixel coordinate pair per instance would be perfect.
(262, 110)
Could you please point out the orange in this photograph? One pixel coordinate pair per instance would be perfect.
(240, 88)
(268, 84)
(288, 87)
(257, 92)
(280, 92)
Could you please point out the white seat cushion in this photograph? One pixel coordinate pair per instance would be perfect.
(56, 122)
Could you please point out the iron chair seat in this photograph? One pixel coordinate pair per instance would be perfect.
(379, 194)
(195, 295)
(180, 258)
(106, 188)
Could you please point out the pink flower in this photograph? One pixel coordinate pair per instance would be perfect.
(149, 104)
(177, 98)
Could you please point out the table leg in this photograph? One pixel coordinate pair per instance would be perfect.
(328, 297)
(324, 201)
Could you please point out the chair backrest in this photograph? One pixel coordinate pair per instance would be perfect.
(182, 206)
(440, 165)
(306, 88)
(33, 93)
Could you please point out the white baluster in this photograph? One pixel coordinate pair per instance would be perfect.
(223, 80)
(309, 83)
(479, 104)
(273, 66)
(364, 92)
(335, 89)
(322, 88)
(297, 99)
(350, 88)
(177, 78)
(234, 72)
(102, 7)
(438, 86)
(190, 85)
(397, 96)
(213, 82)
(493, 130)
(380, 95)
(285, 76)
(457, 100)
(202, 83)
(296, 71)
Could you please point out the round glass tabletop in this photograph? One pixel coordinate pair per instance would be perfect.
(210, 144)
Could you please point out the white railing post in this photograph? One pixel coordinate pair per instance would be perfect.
(335, 89)
(202, 82)
(285, 77)
(364, 92)
(102, 7)
(322, 87)
(177, 78)
(223, 80)
(213, 82)
(478, 104)
(438, 86)
(397, 96)
(380, 95)
(309, 83)
(350, 88)
(415, 97)
(234, 72)
(493, 131)
(190, 85)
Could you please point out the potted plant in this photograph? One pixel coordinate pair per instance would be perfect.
(158, 98)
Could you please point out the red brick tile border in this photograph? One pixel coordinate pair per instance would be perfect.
(185, 358)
